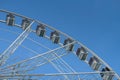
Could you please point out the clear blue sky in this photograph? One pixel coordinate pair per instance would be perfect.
(95, 23)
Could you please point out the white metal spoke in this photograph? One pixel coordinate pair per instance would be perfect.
(37, 61)
(32, 61)
(59, 61)
(63, 65)
(10, 50)
(55, 74)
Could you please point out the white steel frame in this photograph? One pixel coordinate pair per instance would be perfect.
(44, 58)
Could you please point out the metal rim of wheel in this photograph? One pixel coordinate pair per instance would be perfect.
(21, 69)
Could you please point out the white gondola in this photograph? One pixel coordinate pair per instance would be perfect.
(40, 30)
(10, 19)
(107, 75)
(69, 47)
(25, 23)
(55, 37)
(82, 53)
(94, 63)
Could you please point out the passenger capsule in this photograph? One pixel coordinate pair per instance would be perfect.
(40, 30)
(107, 75)
(55, 37)
(25, 23)
(94, 63)
(10, 19)
(82, 53)
(69, 46)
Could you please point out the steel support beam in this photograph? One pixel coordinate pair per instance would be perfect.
(58, 75)
(35, 61)
(12, 48)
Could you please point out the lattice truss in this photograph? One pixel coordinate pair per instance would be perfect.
(32, 50)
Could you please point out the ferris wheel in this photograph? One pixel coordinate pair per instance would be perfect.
(32, 50)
